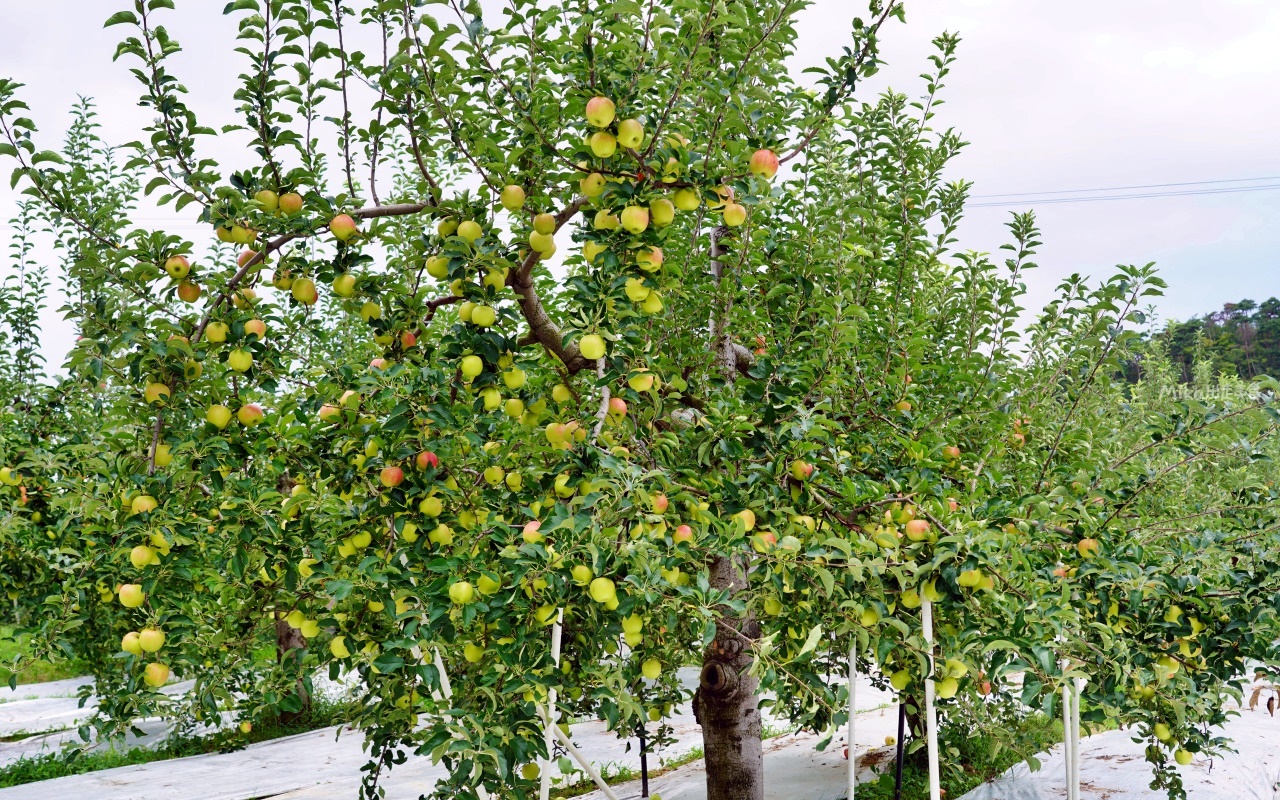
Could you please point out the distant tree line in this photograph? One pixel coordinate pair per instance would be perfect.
(1243, 338)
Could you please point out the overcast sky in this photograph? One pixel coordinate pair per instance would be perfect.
(1052, 96)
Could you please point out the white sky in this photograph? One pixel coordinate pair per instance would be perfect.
(1051, 95)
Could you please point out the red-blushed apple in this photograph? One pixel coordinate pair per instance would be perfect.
(391, 476)
(257, 327)
(408, 339)
(155, 675)
(250, 414)
(617, 406)
(660, 503)
(531, 532)
(1088, 548)
(245, 257)
(600, 111)
(764, 164)
(427, 459)
(902, 405)
(378, 363)
(291, 203)
(952, 505)
(649, 259)
(343, 227)
(188, 292)
(304, 291)
(917, 530)
(683, 533)
(330, 413)
(801, 470)
(952, 452)
(735, 214)
(635, 218)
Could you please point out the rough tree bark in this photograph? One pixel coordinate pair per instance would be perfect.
(289, 643)
(725, 703)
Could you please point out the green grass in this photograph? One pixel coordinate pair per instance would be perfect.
(59, 764)
(968, 762)
(35, 671)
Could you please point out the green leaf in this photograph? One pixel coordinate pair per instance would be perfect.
(121, 18)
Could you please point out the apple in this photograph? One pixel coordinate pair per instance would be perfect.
(660, 503)
(344, 285)
(734, 214)
(442, 535)
(470, 230)
(602, 590)
(343, 227)
(370, 310)
(531, 533)
(219, 416)
(746, 518)
(909, 598)
(130, 644)
(267, 200)
(487, 585)
(801, 470)
(512, 197)
(952, 452)
(947, 688)
(494, 474)
(141, 556)
(338, 647)
(142, 504)
(131, 595)
(156, 392)
(427, 459)
(662, 212)
(561, 393)
(243, 235)
(687, 199)
(617, 406)
(246, 727)
(900, 680)
(240, 360)
(600, 111)
(630, 133)
(304, 291)
(1182, 757)
(582, 574)
(651, 668)
(291, 203)
(483, 316)
(1161, 731)
(604, 221)
(542, 243)
(216, 332)
(635, 219)
(250, 414)
(723, 194)
(162, 456)
(591, 347)
(970, 578)
(471, 366)
(763, 164)
(592, 185)
(177, 266)
(9, 477)
(902, 405)
(1088, 548)
(151, 639)
(330, 413)
(917, 530)
(649, 259)
(188, 292)
(683, 533)
(930, 591)
(461, 593)
(391, 476)
(772, 606)
(155, 675)
(246, 255)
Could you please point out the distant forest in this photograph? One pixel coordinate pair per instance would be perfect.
(1243, 336)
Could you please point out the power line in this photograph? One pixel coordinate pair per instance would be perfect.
(1128, 188)
(1031, 201)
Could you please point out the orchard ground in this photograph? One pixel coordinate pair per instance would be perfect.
(1111, 763)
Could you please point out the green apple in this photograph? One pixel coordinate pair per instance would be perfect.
(461, 593)
(947, 688)
(130, 643)
(512, 197)
(219, 416)
(635, 219)
(290, 203)
(651, 669)
(470, 230)
(151, 639)
(600, 111)
(240, 360)
(338, 647)
(591, 347)
(142, 504)
(471, 366)
(141, 556)
(155, 675)
(900, 680)
(735, 214)
(344, 285)
(602, 590)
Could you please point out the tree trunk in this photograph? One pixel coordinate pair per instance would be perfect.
(726, 705)
(289, 641)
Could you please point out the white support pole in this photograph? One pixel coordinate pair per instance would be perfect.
(1075, 738)
(582, 762)
(447, 691)
(853, 713)
(549, 736)
(1066, 729)
(931, 713)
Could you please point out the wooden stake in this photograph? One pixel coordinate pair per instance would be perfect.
(931, 713)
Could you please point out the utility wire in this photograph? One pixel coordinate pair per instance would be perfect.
(1127, 188)
(1032, 201)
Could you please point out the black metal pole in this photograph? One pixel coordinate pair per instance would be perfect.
(644, 765)
(902, 724)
